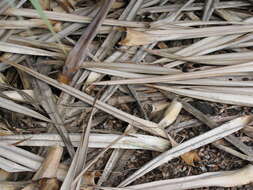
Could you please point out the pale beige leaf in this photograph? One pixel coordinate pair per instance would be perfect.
(50, 165)
(232, 178)
(12, 106)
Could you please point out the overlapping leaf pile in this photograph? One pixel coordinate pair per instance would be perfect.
(121, 91)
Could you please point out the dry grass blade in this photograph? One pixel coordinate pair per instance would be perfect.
(13, 24)
(188, 157)
(171, 17)
(49, 167)
(47, 172)
(171, 114)
(133, 141)
(220, 59)
(110, 165)
(209, 8)
(193, 7)
(88, 166)
(226, 90)
(212, 124)
(194, 143)
(81, 159)
(12, 106)
(135, 37)
(111, 85)
(113, 72)
(26, 41)
(222, 71)
(235, 99)
(148, 126)
(69, 17)
(45, 96)
(214, 82)
(27, 160)
(20, 156)
(130, 67)
(70, 175)
(5, 5)
(79, 52)
(213, 179)
(14, 95)
(10, 166)
(19, 49)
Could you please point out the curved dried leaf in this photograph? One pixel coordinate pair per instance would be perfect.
(12, 106)
(145, 125)
(227, 98)
(133, 141)
(211, 179)
(194, 143)
(19, 49)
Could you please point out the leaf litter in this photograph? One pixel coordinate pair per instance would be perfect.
(114, 94)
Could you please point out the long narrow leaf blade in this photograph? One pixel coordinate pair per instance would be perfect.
(194, 143)
(12, 106)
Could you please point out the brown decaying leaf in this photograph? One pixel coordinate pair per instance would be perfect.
(89, 180)
(188, 157)
(79, 52)
(50, 165)
(191, 157)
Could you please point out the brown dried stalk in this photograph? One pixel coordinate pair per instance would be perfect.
(79, 52)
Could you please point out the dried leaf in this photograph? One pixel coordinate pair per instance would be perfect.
(190, 157)
(50, 165)
(211, 179)
(146, 37)
(194, 143)
(135, 121)
(7, 104)
(227, 98)
(221, 71)
(89, 180)
(19, 49)
(22, 160)
(49, 184)
(135, 38)
(133, 141)
(4, 175)
(14, 95)
(69, 17)
(79, 52)
(171, 114)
